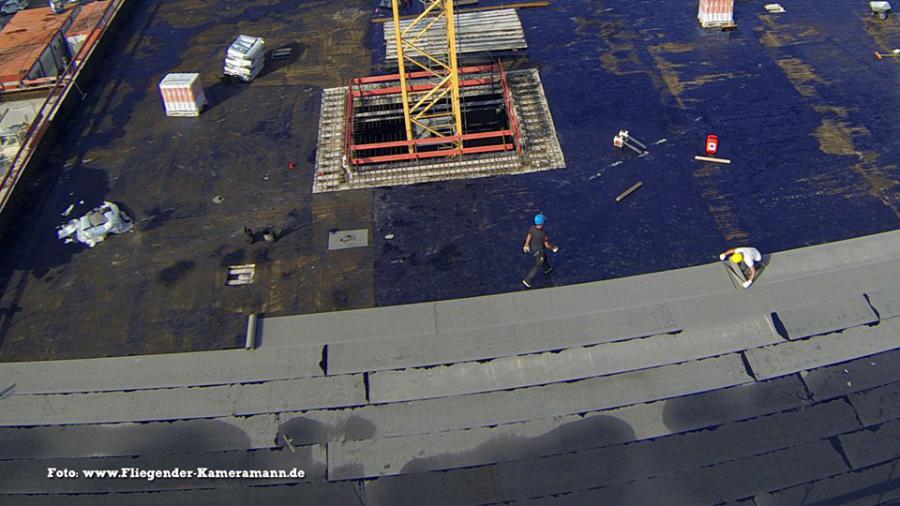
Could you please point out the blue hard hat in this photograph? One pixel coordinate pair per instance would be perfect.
(539, 219)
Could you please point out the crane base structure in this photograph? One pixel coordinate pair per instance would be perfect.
(363, 144)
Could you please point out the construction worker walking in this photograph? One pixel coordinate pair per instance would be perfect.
(537, 242)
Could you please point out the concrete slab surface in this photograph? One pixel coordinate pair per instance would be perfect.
(869, 487)
(437, 415)
(590, 468)
(871, 446)
(569, 364)
(710, 485)
(318, 492)
(448, 346)
(112, 440)
(725, 482)
(886, 301)
(613, 294)
(810, 261)
(786, 358)
(182, 403)
(856, 375)
(338, 327)
(665, 457)
(877, 405)
(646, 420)
(782, 294)
(825, 316)
(161, 371)
(390, 386)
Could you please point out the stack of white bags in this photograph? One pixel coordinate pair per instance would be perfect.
(245, 57)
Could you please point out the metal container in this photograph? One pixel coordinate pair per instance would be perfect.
(716, 13)
(182, 94)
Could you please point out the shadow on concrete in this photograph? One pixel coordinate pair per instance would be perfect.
(303, 431)
(291, 53)
(587, 433)
(222, 90)
(520, 475)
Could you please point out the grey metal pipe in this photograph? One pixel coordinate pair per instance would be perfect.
(251, 332)
(629, 191)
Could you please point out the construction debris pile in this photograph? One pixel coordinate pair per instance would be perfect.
(94, 226)
(245, 57)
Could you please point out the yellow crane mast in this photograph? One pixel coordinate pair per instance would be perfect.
(425, 111)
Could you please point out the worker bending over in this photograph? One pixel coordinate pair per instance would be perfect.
(750, 257)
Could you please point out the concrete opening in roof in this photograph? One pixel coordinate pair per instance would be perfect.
(377, 131)
(363, 143)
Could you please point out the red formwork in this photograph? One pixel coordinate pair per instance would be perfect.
(359, 88)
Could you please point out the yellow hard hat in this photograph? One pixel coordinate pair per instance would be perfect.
(736, 258)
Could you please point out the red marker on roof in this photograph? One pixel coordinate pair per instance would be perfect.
(712, 144)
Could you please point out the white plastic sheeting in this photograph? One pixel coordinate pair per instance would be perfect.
(94, 226)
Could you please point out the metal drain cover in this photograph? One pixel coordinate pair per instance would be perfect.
(343, 239)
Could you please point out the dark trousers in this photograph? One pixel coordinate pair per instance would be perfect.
(541, 260)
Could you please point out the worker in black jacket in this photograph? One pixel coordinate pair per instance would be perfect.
(537, 242)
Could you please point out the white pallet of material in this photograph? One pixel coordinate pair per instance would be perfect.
(182, 94)
(716, 13)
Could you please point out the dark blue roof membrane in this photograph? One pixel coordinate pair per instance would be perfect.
(800, 105)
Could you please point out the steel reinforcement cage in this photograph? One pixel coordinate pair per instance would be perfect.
(508, 138)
